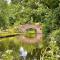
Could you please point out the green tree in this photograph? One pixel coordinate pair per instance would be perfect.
(51, 3)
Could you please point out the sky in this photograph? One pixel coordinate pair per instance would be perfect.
(8, 1)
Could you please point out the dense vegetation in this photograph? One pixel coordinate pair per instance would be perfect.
(46, 12)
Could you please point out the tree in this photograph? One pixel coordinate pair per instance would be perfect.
(51, 3)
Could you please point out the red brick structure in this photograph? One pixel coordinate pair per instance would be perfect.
(36, 39)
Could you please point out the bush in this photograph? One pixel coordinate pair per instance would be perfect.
(56, 36)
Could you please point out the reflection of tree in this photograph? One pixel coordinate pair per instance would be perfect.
(35, 54)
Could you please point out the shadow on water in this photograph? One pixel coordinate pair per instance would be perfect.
(9, 36)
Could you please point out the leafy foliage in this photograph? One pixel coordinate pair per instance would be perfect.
(19, 12)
